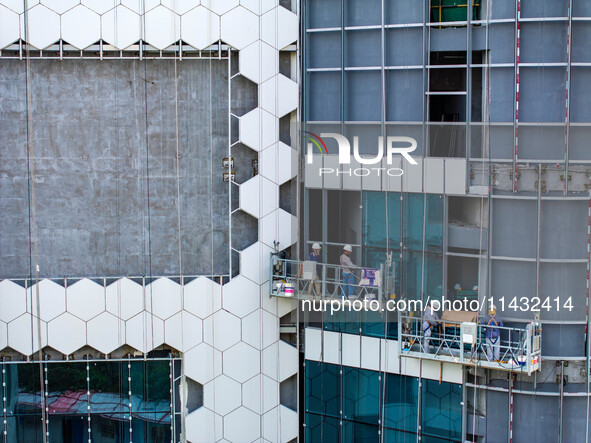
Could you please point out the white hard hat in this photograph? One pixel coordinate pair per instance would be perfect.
(475, 288)
(347, 248)
(316, 246)
(458, 287)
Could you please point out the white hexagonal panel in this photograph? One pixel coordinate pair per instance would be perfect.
(259, 129)
(259, 196)
(242, 425)
(180, 6)
(23, 334)
(260, 394)
(254, 262)
(242, 362)
(203, 363)
(220, 6)
(279, 27)
(85, 299)
(203, 426)
(121, 27)
(163, 298)
(144, 332)
(183, 331)
(66, 333)
(52, 300)
(60, 6)
(280, 361)
(260, 329)
(259, 62)
(9, 27)
(99, 6)
(140, 6)
(278, 163)
(202, 297)
(241, 296)
(44, 27)
(81, 27)
(240, 27)
(3, 335)
(280, 424)
(279, 95)
(221, 330)
(259, 6)
(278, 226)
(18, 5)
(105, 333)
(13, 300)
(222, 395)
(200, 27)
(125, 298)
(163, 27)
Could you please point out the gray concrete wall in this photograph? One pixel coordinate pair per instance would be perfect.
(105, 170)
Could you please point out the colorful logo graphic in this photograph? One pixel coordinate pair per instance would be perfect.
(317, 141)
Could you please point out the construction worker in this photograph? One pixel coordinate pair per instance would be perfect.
(348, 279)
(430, 321)
(315, 256)
(493, 334)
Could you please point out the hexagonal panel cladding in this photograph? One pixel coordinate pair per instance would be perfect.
(259, 129)
(259, 196)
(280, 424)
(222, 395)
(279, 95)
(183, 331)
(66, 333)
(254, 262)
(144, 332)
(203, 363)
(81, 27)
(202, 297)
(52, 300)
(242, 425)
(121, 27)
(44, 27)
(140, 6)
(279, 27)
(23, 334)
(180, 6)
(3, 335)
(18, 5)
(240, 27)
(85, 299)
(200, 27)
(163, 27)
(260, 394)
(163, 298)
(278, 226)
(260, 329)
(278, 163)
(240, 296)
(220, 6)
(60, 6)
(13, 300)
(105, 333)
(9, 26)
(203, 425)
(259, 6)
(259, 61)
(242, 362)
(280, 361)
(125, 298)
(221, 330)
(99, 6)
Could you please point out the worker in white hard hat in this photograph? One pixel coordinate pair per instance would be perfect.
(315, 283)
(430, 322)
(493, 334)
(348, 279)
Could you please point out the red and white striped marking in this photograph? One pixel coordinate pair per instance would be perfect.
(588, 260)
(511, 407)
(518, 36)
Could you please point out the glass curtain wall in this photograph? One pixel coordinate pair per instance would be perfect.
(346, 404)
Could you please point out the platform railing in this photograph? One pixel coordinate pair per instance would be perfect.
(519, 348)
(307, 280)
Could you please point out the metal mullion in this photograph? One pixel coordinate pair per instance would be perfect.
(426, 62)
(568, 83)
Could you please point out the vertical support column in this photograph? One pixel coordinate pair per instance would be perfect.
(567, 104)
(129, 398)
(229, 163)
(588, 320)
(516, 122)
(510, 431)
(88, 400)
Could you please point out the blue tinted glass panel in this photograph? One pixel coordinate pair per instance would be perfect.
(413, 221)
(323, 392)
(433, 276)
(375, 227)
(361, 390)
(434, 223)
(441, 410)
(401, 396)
(322, 429)
(360, 432)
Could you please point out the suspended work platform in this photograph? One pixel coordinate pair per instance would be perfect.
(519, 349)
